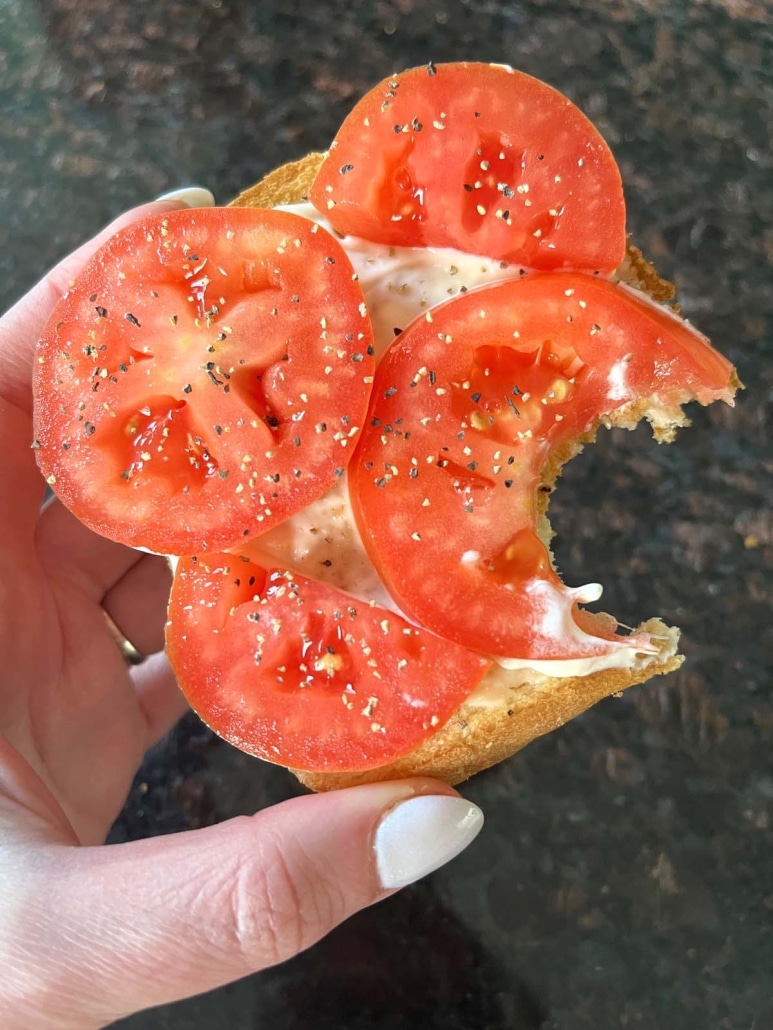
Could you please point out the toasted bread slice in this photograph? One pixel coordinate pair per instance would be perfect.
(510, 708)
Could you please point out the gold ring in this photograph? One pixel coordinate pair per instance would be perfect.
(131, 654)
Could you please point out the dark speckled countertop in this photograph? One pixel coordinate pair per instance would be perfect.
(625, 876)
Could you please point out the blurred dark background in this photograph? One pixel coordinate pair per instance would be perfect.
(624, 877)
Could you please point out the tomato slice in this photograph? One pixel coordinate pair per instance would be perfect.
(470, 406)
(299, 673)
(477, 157)
(204, 378)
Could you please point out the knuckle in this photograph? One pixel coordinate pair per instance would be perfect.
(280, 902)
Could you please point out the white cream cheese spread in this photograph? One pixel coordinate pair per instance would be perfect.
(401, 283)
(323, 541)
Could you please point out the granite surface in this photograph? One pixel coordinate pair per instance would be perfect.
(624, 877)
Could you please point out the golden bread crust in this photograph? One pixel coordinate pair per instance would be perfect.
(480, 735)
(637, 271)
(289, 184)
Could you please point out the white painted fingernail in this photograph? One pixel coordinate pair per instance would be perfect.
(191, 196)
(422, 834)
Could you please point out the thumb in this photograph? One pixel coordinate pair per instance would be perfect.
(126, 927)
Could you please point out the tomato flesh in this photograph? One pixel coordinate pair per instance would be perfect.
(204, 379)
(297, 672)
(477, 157)
(469, 405)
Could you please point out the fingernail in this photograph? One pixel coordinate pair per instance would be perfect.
(422, 834)
(191, 196)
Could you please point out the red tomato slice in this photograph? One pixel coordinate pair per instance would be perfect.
(469, 406)
(298, 673)
(477, 157)
(204, 378)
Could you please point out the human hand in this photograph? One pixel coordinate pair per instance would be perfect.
(90, 933)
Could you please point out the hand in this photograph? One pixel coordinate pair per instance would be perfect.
(90, 933)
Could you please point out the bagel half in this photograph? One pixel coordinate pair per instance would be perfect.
(510, 708)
